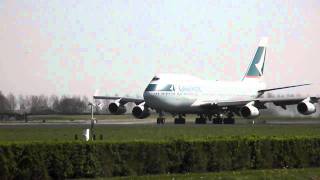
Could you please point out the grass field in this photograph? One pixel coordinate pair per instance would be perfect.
(122, 133)
(299, 174)
(48, 131)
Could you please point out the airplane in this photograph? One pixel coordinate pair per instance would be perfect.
(216, 101)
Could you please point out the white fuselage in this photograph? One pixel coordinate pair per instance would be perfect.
(180, 93)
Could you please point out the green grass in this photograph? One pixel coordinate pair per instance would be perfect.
(151, 132)
(122, 133)
(299, 174)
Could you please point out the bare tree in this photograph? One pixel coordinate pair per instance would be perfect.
(85, 101)
(4, 104)
(53, 103)
(97, 107)
(72, 105)
(12, 102)
(39, 104)
(22, 103)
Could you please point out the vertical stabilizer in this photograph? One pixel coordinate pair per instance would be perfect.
(256, 67)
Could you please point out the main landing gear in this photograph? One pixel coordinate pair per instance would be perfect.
(228, 120)
(201, 120)
(180, 120)
(219, 120)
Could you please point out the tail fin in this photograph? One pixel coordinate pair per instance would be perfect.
(255, 70)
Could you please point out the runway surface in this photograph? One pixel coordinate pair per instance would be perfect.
(153, 122)
(80, 122)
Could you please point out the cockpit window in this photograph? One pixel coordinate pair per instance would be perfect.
(167, 87)
(155, 78)
(160, 87)
(151, 87)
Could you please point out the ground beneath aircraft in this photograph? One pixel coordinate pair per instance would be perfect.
(126, 121)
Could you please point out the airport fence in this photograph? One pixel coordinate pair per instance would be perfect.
(77, 159)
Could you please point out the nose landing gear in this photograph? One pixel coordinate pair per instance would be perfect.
(161, 119)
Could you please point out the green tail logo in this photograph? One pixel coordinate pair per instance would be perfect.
(256, 67)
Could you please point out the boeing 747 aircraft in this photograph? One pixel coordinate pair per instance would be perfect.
(219, 101)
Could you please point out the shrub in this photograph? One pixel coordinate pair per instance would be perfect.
(77, 159)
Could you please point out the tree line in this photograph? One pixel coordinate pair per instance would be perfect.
(42, 104)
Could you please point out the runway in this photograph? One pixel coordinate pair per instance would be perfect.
(153, 122)
(79, 122)
(289, 122)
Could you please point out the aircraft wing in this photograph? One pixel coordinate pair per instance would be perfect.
(262, 91)
(122, 99)
(283, 102)
(257, 101)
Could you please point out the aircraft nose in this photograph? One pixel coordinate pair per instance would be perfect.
(147, 95)
(149, 98)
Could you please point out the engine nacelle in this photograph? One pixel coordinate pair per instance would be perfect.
(140, 111)
(306, 108)
(249, 111)
(117, 108)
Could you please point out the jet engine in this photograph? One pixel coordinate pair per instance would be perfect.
(306, 108)
(249, 111)
(140, 111)
(117, 108)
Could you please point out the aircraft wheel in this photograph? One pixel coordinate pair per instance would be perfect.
(217, 121)
(197, 121)
(161, 120)
(179, 120)
(200, 121)
(176, 120)
(229, 121)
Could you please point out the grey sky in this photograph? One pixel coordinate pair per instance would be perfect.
(75, 47)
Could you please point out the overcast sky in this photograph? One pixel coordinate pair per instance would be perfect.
(75, 47)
